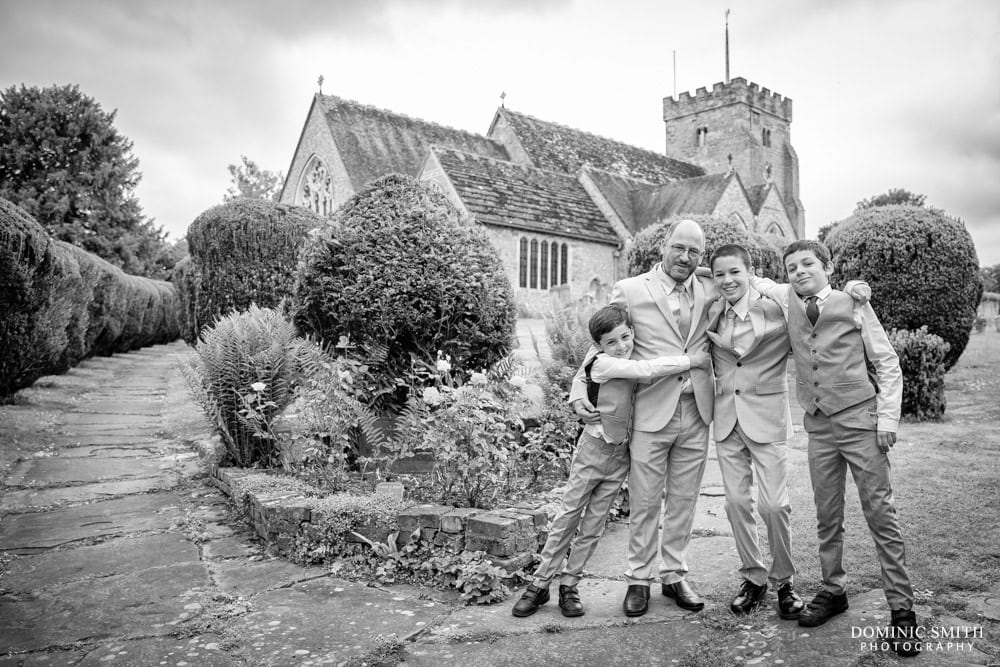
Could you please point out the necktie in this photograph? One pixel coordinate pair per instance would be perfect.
(684, 314)
(727, 340)
(812, 309)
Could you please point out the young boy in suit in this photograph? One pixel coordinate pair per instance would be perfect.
(601, 462)
(851, 419)
(750, 349)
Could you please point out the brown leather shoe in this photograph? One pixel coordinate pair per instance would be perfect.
(904, 633)
(749, 597)
(685, 597)
(822, 608)
(569, 601)
(790, 605)
(636, 600)
(532, 598)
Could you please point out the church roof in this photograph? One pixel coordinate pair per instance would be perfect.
(757, 194)
(499, 192)
(374, 142)
(690, 197)
(559, 148)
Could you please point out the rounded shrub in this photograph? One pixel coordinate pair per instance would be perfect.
(242, 252)
(921, 265)
(921, 357)
(402, 276)
(647, 246)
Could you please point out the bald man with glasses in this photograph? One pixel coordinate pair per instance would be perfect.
(668, 306)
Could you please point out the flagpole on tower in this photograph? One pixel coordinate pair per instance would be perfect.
(727, 46)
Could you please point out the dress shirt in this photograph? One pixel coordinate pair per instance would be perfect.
(742, 327)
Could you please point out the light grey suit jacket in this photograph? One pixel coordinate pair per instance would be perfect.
(657, 334)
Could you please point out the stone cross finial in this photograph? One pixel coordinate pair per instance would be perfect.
(503, 96)
(320, 82)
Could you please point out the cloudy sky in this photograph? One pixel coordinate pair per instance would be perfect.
(894, 93)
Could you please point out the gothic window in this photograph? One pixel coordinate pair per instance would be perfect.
(523, 252)
(542, 264)
(316, 192)
(738, 219)
(701, 136)
(765, 136)
(776, 230)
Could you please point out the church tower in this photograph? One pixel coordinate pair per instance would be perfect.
(738, 126)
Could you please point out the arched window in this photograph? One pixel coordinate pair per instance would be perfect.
(776, 230)
(738, 219)
(543, 275)
(523, 271)
(542, 264)
(765, 136)
(316, 189)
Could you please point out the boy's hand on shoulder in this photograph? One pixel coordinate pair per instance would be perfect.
(858, 290)
(700, 358)
(885, 439)
(703, 272)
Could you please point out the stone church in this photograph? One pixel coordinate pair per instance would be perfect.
(561, 204)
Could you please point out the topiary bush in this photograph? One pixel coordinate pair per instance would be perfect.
(242, 252)
(61, 304)
(921, 265)
(647, 246)
(402, 276)
(245, 373)
(922, 358)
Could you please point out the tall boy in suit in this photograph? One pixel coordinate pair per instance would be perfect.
(750, 350)
(852, 421)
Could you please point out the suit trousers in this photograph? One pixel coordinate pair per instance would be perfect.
(671, 460)
(740, 460)
(596, 474)
(847, 440)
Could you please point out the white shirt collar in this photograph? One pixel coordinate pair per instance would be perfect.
(671, 283)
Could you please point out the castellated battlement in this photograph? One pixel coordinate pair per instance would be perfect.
(737, 91)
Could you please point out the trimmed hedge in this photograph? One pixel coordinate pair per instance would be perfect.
(647, 246)
(921, 357)
(62, 304)
(242, 252)
(921, 265)
(398, 272)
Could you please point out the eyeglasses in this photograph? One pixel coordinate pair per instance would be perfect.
(693, 253)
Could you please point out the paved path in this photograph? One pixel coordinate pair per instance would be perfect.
(115, 550)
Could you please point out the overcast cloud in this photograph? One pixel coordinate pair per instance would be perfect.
(896, 93)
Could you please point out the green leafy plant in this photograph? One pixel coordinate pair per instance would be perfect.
(245, 373)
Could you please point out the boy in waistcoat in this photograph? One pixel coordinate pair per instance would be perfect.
(601, 461)
(852, 419)
(750, 349)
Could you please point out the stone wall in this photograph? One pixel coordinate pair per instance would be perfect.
(509, 536)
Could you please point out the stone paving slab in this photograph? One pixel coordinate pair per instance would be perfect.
(201, 651)
(63, 439)
(326, 620)
(119, 407)
(114, 557)
(115, 451)
(248, 578)
(28, 499)
(44, 530)
(42, 659)
(120, 421)
(148, 602)
(55, 471)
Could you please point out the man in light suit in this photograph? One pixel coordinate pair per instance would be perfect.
(668, 306)
(750, 348)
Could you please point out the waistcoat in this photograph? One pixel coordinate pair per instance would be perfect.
(829, 357)
(613, 399)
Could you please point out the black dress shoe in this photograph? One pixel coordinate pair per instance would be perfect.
(748, 598)
(636, 600)
(790, 605)
(685, 597)
(569, 601)
(904, 633)
(533, 598)
(822, 608)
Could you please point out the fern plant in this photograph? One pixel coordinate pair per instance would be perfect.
(245, 373)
